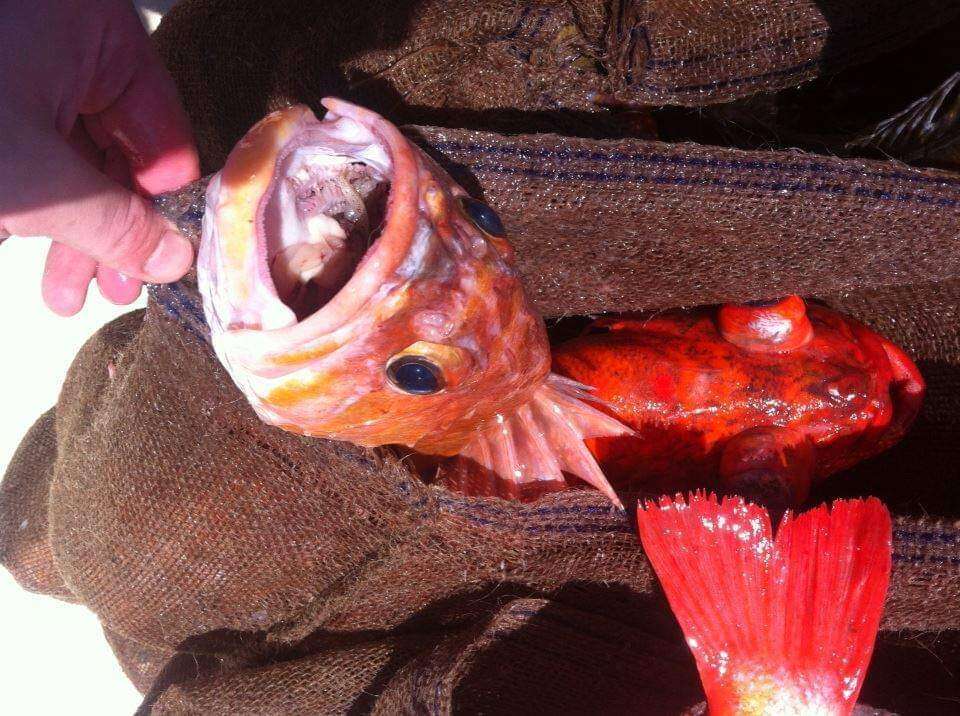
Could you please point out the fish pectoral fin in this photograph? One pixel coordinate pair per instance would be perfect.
(533, 451)
(770, 465)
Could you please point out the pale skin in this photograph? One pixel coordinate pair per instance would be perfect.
(90, 125)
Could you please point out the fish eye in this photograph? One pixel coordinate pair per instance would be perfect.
(482, 216)
(415, 375)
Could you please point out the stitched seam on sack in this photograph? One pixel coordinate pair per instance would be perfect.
(310, 616)
(814, 167)
(732, 82)
(835, 190)
(833, 29)
(509, 519)
(833, 59)
(706, 57)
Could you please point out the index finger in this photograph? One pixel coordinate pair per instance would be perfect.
(144, 116)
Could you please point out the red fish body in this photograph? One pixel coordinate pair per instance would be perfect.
(763, 398)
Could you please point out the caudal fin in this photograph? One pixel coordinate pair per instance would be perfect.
(781, 625)
(526, 454)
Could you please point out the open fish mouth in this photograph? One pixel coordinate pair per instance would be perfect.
(308, 219)
(355, 292)
(323, 215)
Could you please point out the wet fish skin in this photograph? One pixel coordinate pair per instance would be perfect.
(435, 300)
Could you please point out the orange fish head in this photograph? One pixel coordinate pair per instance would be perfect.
(355, 292)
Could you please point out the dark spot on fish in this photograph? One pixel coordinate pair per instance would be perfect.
(415, 375)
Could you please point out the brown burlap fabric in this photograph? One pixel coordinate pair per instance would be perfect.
(512, 65)
(238, 569)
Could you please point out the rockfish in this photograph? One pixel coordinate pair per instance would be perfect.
(355, 292)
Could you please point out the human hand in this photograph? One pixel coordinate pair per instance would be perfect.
(89, 117)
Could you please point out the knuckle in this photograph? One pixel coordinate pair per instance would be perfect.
(128, 231)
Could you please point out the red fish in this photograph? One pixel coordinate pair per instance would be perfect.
(759, 399)
(354, 291)
(777, 626)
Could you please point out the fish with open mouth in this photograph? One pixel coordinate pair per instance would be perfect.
(355, 292)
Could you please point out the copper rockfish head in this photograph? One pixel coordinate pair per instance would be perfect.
(355, 292)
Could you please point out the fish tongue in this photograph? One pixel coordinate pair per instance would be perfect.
(316, 267)
(526, 454)
(777, 626)
(294, 267)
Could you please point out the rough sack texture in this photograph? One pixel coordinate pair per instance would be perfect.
(238, 569)
(513, 64)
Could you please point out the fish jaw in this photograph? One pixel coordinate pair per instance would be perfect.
(233, 238)
(235, 290)
(256, 335)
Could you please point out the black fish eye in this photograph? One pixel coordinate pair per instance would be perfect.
(483, 217)
(415, 375)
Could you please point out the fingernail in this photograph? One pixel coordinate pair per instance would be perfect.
(170, 260)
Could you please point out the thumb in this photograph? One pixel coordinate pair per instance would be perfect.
(60, 195)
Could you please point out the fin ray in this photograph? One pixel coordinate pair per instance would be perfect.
(776, 625)
(526, 454)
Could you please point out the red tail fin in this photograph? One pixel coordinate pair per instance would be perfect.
(777, 626)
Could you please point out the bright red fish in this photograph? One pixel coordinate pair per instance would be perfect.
(758, 400)
(780, 626)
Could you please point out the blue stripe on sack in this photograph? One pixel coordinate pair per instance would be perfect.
(187, 301)
(587, 528)
(492, 508)
(604, 177)
(616, 157)
(558, 528)
(182, 309)
(507, 519)
(926, 536)
(733, 81)
(170, 308)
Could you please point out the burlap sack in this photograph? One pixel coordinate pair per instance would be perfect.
(239, 569)
(515, 65)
